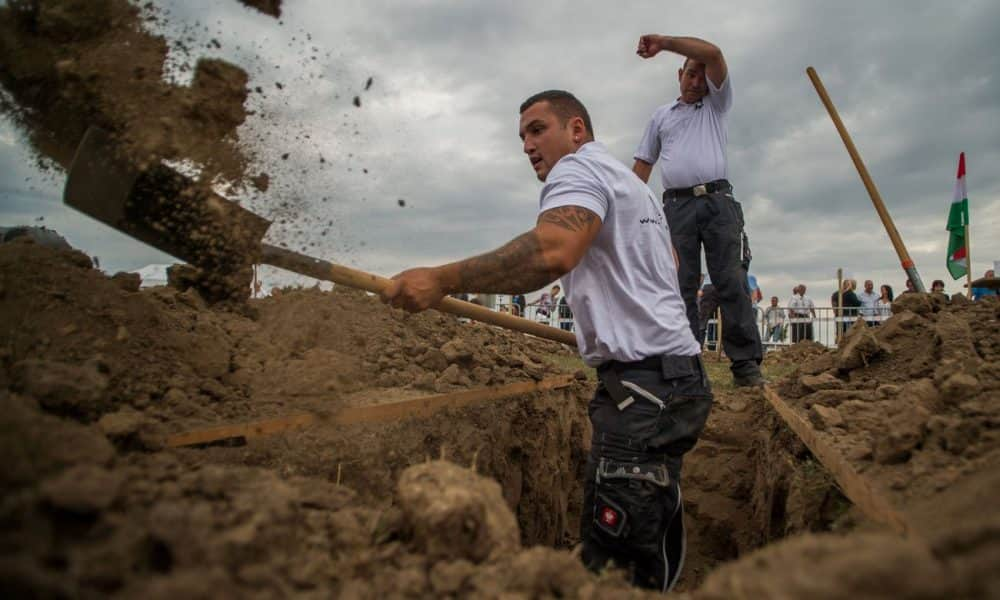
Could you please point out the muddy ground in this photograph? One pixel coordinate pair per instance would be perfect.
(96, 373)
(476, 501)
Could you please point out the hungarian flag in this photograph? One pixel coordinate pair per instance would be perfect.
(958, 220)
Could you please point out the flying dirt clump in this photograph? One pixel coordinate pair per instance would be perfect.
(268, 7)
(70, 64)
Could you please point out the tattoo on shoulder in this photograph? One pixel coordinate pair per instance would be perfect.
(573, 218)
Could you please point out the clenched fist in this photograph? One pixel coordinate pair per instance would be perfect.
(650, 45)
(414, 290)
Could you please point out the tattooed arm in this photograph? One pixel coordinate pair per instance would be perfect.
(529, 261)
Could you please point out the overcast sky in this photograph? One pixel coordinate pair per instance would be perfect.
(915, 82)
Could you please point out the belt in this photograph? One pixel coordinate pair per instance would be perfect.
(651, 363)
(719, 185)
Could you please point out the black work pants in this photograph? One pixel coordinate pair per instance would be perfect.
(715, 220)
(632, 506)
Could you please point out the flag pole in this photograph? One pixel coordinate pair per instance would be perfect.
(904, 257)
(968, 258)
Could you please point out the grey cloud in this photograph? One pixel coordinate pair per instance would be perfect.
(916, 83)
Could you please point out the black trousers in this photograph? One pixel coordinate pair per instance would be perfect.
(715, 221)
(802, 331)
(632, 505)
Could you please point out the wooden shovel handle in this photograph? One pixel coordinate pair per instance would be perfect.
(327, 271)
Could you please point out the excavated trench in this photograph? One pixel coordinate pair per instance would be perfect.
(748, 483)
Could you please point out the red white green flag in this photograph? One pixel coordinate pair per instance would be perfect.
(958, 221)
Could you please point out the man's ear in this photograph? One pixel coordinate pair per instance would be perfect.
(579, 129)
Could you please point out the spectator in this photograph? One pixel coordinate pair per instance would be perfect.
(869, 302)
(981, 292)
(546, 303)
(802, 310)
(848, 311)
(775, 319)
(884, 305)
(565, 315)
(517, 303)
(909, 286)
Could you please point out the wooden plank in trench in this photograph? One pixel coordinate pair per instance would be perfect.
(854, 485)
(379, 413)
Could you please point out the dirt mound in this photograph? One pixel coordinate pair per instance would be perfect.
(136, 365)
(914, 403)
(797, 353)
(85, 345)
(97, 372)
(69, 64)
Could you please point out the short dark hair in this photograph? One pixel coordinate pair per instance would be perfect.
(564, 104)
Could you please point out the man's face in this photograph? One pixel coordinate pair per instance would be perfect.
(802, 290)
(546, 139)
(692, 80)
(774, 300)
(869, 286)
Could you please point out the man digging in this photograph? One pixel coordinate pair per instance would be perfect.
(601, 230)
(688, 137)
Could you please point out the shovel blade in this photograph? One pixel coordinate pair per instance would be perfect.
(161, 207)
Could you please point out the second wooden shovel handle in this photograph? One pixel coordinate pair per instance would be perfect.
(327, 271)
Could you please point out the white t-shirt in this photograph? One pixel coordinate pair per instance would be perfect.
(624, 293)
(689, 140)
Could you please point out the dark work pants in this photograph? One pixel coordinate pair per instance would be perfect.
(716, 221)
(641, 438)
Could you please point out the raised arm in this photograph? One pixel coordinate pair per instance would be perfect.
(694, 48)
(557, 243)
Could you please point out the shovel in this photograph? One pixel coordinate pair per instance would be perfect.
(169, 211)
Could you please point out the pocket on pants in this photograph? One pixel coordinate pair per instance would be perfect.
(631, 511)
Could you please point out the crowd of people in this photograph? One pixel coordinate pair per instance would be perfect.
(792, 321)
(848, 304)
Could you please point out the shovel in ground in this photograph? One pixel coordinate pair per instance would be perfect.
(171, 212)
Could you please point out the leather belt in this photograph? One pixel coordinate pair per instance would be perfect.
(719, 185)
(651, 363)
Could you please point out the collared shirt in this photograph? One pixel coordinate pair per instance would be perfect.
(800, 306)
(869, 303)
(624, 292)
(689, 140)
(774, 316)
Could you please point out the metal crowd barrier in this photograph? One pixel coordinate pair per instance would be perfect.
(557, 316)
(821, 328)
(825, 327)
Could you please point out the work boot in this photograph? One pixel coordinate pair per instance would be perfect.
(749, 380)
